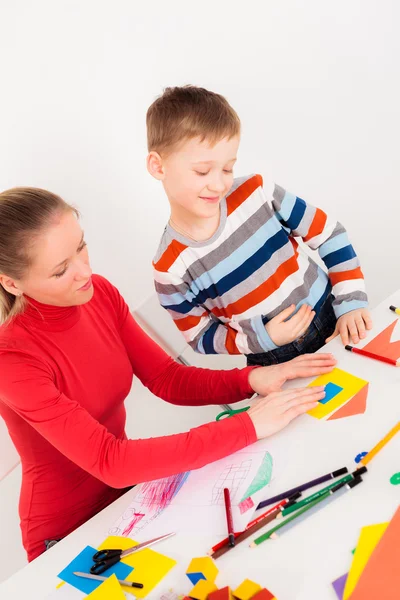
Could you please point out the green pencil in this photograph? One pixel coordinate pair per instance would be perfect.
(268, 534)
(297, 505)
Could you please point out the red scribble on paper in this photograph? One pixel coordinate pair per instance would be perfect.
(246, 505)
(134, 521)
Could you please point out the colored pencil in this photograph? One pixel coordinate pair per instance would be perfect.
(281, 504)
(372, 453)
(273, 513)
(229, 520)
(308, 510)
(290, 509)
(395, 309)
(390, 361)
(124, 582)
(303, 487)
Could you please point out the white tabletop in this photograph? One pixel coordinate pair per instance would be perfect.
(302, 563)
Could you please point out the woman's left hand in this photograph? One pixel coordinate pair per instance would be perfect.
(265, 380)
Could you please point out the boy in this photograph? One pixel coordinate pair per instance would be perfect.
(229, 269)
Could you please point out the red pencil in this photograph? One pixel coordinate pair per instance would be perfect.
(253, 522)
(391, 361)
(229, 520)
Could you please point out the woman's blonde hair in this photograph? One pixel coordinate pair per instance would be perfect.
(24, 213)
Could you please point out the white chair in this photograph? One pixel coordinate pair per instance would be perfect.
(12, 553)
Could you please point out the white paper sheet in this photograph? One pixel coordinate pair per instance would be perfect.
(193, 502)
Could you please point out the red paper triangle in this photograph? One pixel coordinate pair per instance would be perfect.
(356, 406)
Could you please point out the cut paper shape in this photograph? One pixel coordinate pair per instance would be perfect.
(339, 585)
(247, 589)
(350, 385)
(108, 590)
(381, 576)
(150, 567)
(262, 478)
(263, 594)
(331, 390)
(202, 589)
(382, 345)
(202, 568)
(82, 563)
(355, 406)
(395, 479)
(224, 593)
(360, 456)
(369, 537)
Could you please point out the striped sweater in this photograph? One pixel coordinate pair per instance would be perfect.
(222, 291)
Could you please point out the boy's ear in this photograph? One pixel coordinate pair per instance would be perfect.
(155, 165)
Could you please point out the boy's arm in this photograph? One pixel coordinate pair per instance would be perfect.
(331, 241)
(204, 332)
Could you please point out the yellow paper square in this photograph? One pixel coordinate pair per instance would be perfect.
(369, 538)
(108, 590)
(350, 384)
(149, 567)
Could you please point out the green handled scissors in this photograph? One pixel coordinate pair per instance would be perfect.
(230, 412)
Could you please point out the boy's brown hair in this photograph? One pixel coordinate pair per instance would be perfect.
(183, 113)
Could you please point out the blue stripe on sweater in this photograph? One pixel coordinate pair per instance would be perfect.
(238, 257)
(333, 244)
(208, 339)
(297, 214)
(339, 256)
(244, 271)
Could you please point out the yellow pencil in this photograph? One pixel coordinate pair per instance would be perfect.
(380, 444)
(395, 309)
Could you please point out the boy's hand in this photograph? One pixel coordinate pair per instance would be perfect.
(282, 331)
(352, 326)
(265, 380)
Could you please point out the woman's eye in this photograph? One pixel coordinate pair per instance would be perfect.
(57, 275)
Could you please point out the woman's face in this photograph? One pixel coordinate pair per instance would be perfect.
(60, 273)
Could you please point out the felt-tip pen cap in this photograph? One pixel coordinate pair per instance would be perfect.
(292, 499)
(355, 482)
(340, 472)
(359, 471)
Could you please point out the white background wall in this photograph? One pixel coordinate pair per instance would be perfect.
(315, 83)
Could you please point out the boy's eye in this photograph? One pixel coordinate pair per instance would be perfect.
(201, 173)
(228, 170)
(60, 274)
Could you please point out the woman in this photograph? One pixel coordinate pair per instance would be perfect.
(68, 351)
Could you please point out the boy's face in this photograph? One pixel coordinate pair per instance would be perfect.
(196, 176)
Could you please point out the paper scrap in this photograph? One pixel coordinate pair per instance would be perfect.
(369, 537)
(339, 584)
(82, 563)
(381, 576)
(108, 590)
(150, 567)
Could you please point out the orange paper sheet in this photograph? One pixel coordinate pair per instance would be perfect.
(380, 579)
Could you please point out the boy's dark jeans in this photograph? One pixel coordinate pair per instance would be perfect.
(322, 326)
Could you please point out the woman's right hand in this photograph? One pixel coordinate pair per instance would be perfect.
(273, 412)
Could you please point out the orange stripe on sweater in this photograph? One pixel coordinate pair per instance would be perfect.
(264, 290)
(317, 225)
(241, 194)
(188, 322)
(346, 275)
(230, 342)
(170, 255)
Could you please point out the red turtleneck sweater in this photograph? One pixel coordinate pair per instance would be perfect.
(64, 376)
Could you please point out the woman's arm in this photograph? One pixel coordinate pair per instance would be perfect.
(28, 388)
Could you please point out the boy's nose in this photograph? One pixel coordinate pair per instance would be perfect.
(217, 185)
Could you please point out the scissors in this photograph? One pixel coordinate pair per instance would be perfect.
(230, 412)
(104, 559)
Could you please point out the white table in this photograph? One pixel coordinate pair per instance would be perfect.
(301, 564)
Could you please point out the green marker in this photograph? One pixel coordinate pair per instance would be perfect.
(297, 505)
